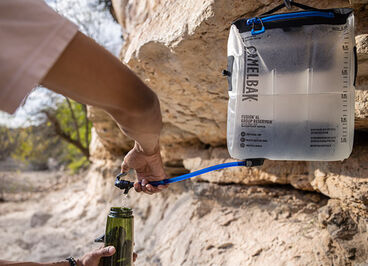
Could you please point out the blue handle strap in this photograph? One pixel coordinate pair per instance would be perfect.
(199, 172)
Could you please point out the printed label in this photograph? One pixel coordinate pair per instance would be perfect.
(251, 75)
(322, 137)
(252, 131)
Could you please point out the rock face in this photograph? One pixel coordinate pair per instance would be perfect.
(179, 49)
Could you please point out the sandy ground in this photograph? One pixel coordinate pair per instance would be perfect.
(34, 222)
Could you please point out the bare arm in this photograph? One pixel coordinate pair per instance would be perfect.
(90, 259)
(89, 74)
(13, 263)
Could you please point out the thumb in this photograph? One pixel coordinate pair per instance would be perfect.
(104, 252)
(124, 167)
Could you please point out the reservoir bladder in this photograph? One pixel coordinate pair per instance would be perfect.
(291, 83)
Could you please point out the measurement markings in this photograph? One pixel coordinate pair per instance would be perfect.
(346, 80)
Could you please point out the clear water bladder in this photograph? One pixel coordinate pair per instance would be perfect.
(291, 92)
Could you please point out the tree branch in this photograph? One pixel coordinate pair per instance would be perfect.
(74, 118)
(86, 121)
(52, 118)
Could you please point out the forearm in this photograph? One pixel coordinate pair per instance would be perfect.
(14, 263)
(89, 74)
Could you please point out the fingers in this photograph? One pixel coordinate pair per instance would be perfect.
(104, 252)
(137, 187)
(152, 189)
(144, 186)
(135, 255)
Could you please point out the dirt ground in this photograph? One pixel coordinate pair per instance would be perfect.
(30, 225)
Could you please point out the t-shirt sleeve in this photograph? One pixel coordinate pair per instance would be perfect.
(32, 37)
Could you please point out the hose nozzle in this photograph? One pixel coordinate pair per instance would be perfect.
(123, 184)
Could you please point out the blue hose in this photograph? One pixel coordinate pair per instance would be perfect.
(196, 173)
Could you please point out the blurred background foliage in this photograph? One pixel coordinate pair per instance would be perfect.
(61, 140)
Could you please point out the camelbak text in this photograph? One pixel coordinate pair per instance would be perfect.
(251, 75)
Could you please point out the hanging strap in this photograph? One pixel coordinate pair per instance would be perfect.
(291, 3)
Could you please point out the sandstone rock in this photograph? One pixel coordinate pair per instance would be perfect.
(362, 52)
(179, 49)
(339, 223)
(361, 108)
(345, 235)
(111, 141)
(281, 172)
(358, 1)
(181, 55)
(39, 219)
(164, 42)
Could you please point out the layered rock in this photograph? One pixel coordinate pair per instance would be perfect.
(179, 49)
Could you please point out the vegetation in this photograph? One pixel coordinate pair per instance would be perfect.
(7, 141)
(63, 136)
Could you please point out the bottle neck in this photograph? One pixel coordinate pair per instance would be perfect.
(119, 212)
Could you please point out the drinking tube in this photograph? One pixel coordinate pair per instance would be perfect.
(126, 185)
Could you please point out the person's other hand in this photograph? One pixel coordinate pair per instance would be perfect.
(93, 258)
(149, 167)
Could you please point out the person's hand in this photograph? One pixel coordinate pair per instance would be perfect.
(93, 258)
(148, 167)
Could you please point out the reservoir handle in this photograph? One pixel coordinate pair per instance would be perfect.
(288, 5)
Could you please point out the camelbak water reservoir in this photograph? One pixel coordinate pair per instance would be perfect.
(291, 86)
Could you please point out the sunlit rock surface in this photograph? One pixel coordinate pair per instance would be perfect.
(179, 49)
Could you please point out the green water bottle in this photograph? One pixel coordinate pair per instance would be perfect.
(119, 233)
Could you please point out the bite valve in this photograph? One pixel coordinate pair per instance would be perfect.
(123, 184)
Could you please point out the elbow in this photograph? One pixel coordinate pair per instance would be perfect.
(143, 115)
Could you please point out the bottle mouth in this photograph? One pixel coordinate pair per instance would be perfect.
(121, 211)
